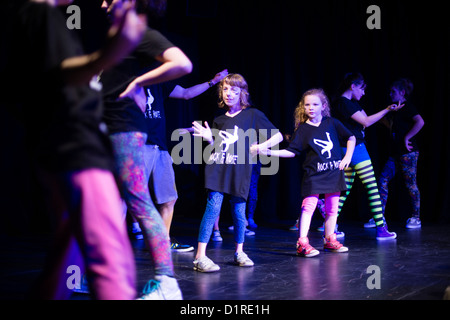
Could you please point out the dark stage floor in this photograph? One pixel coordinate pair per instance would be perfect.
(415, 266)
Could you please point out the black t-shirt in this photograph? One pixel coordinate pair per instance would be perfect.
(155, 116)
(322, 146)
(124, 115)
(343, 109)
(402, 122)
(62, 122)
(229, 167)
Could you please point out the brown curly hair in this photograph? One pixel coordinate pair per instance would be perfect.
(300, 114)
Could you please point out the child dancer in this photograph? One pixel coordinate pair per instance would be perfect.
(320, 136)
(353, 116)
(404, 152)
(229, 170)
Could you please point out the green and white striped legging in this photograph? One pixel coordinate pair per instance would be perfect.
(365, 172)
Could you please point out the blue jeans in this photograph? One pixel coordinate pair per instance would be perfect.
(212, 212)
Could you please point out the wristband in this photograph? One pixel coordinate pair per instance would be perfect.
(211, 84)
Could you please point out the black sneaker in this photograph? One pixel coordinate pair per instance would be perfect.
(178, 247)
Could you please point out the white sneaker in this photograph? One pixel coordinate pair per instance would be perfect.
(243, 260)
(205, 264)
(413, 223)
(162, 288)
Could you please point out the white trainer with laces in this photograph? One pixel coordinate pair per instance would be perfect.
(205, 264)
(162, 288)
(243, 260)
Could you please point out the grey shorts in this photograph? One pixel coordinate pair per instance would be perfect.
(159, 169)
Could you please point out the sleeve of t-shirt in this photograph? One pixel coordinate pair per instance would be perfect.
(295, 146)
(342, 132)
(263, 125)
(348, 108)
(152, 45)
(411, 110)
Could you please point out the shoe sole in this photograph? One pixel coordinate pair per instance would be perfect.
(183, 250)
(387, 238)
(336, 251)
(309, 255)
(175, 296)
(205, 271)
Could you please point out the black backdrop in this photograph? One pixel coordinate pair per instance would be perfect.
(284, 48)
(287, 47)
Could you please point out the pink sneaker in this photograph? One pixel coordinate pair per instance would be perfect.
(332, 245)
(304, 249)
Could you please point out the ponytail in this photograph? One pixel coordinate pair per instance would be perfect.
(355, 78)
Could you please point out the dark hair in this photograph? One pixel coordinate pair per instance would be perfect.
(404, 84)
(155, 7)
(355, 78)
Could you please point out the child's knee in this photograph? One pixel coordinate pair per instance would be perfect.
(309, 205)
(332, 212)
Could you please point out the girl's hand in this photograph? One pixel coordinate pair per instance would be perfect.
(408, 145)
(204, 132)
(256, 149)
(395, 107)
(135, 92)
(219, 76)
(345, 162)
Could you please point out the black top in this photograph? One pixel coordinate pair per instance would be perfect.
(229, 168)
(402, 122)
(124, 115)
(343, 109)
(62, 122)
(155, 116)
(322, 146)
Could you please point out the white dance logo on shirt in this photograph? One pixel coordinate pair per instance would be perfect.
(326, 145)
(149, 113)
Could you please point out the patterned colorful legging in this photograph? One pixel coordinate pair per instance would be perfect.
(408, 166)
(129, 154)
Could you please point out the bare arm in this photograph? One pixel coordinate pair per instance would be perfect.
(362, 118)
(273, 141)
(175, 64)
(264, 148)
(351, 142)
(280, 153)
(418, 125)
(188, 93)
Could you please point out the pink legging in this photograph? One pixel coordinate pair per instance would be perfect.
(309, 205)
(91, 234)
